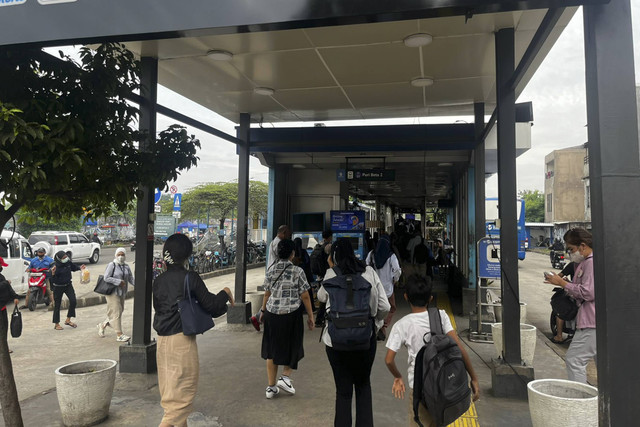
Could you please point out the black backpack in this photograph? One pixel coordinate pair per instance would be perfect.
(350, 323)
(421, 253)
(440, 379)
(318, 261)
(565, 307)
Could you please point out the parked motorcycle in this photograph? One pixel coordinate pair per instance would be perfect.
(557, 259)
(158, 267)
(38, 288)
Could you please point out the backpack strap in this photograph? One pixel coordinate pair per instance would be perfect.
(435, 321)
(417, 386)
(349, 304)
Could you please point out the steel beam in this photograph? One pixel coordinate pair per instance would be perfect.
(478, 178)
(506, 118)
(614, 173)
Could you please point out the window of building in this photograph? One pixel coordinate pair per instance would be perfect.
(549, 202)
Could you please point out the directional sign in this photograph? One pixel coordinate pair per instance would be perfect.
(157, 195)
(177, 201)
(489, 258)
(365, 175)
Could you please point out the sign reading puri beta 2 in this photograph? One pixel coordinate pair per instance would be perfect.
(44, 2)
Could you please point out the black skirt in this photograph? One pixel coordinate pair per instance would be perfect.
(282, 338)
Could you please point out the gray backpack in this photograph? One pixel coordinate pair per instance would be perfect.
(440, 379)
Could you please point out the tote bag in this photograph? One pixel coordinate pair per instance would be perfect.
(195, 319)
(16, 323)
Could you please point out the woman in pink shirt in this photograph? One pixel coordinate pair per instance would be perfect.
(579, 244)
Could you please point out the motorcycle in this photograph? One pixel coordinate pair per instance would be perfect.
(38, 288)
(557, 259)
(158, 267)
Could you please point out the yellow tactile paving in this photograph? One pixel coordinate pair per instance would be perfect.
(469, 418)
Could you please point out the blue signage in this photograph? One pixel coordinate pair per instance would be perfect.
(177, 201)
(157, 195)
(347, 220)
(489, 258)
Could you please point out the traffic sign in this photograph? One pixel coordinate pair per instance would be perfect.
(173, 189)
(157, 195)
(157, 208)
(177, 201)
(176, 214)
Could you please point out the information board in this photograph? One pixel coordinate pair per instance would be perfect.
(489, 258)
(164, 225)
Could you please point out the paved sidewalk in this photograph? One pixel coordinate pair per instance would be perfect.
(233, 376)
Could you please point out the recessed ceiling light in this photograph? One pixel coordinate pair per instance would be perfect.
(265, 91)
(422, 82)
(220, 55)
(445, 164)
(417, 40)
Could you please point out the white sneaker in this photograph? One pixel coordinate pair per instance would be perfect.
(101, 330)
(272, 391)
(286, 385)
(123, 338)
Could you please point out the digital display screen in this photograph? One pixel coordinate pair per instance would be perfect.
(308, 222)
(347, 220)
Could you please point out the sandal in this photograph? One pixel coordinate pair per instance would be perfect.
(553, 340)
(58, 328)
(73, 325)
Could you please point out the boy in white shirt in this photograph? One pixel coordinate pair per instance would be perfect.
(409, 332)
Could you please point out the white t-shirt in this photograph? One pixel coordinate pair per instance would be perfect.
(409, 332)
(273, 252)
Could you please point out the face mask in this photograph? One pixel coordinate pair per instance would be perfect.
(120, 259)
(64, 260)
(576, 257)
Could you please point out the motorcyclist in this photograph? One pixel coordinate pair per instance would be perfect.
(42, 261)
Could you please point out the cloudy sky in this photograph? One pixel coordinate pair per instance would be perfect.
(557, 91)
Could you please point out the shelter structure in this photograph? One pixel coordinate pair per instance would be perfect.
(323, 60)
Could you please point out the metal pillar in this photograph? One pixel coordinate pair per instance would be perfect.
(241, 313)
(140, 356)
(478, 160)
(506, 99)
(614, 173)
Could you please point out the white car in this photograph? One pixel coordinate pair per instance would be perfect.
(69, 241)
(16, 252)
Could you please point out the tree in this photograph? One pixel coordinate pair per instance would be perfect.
(68, 141)
(29, 221)
(533, 205)
(258, 199)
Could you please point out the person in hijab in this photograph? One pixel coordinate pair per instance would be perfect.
(61, 283)
(119, 275)
(177, 353)
(386, 264)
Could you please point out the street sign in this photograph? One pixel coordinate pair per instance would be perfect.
(157, 195)
(173, 189)
(489, 258)
(176, 214)
(164, 225)
(177, 201)
(157, 208)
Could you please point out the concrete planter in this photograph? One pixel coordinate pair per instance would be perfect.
(523, 313)
(527, 341)
(84, 391)
(564, 403)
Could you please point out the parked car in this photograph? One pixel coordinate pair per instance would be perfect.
(16, 252)
(69, 241)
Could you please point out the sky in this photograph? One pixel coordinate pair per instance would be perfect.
(557, 91)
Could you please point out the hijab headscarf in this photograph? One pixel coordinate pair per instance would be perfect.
(344, 258)
(383, 251)
(120, 250)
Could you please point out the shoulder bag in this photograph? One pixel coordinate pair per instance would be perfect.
(16, 323)
(102, 287)
(195, 319)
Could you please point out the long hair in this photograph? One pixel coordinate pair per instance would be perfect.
(344, 258)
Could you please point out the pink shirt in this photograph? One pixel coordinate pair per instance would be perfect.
(582, 289)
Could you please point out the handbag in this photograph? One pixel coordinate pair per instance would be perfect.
(102, 287)
(16, 323)
(564, 306)
(195, 319)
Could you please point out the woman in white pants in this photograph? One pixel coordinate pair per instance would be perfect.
(579, 244)
(119, 275)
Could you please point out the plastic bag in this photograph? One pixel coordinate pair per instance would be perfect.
(86, 276)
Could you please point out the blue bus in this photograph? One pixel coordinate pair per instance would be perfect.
(491, 214)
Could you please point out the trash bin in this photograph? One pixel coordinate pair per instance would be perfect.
(555, 402)
(84, 391)
(527, 341)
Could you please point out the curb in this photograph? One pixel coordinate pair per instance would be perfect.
(97, 299)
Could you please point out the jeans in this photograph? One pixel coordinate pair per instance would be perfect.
(352, 369)
(58, 291)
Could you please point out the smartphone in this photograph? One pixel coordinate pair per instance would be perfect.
(548, 274)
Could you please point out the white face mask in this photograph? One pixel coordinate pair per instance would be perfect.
(576, 257)
(120, 259)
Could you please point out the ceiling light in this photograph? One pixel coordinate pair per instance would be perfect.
(220, 55)
(265, 91)
(298, 166)
(445, 164)
(422, 82)
(417, 40)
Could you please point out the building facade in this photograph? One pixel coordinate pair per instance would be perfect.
(566, 186)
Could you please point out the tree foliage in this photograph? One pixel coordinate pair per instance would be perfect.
(68, 136)
(533, 205)
(29, 221)
(258, 199)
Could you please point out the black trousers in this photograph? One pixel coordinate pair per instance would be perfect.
(353, 369)
(58, 291)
